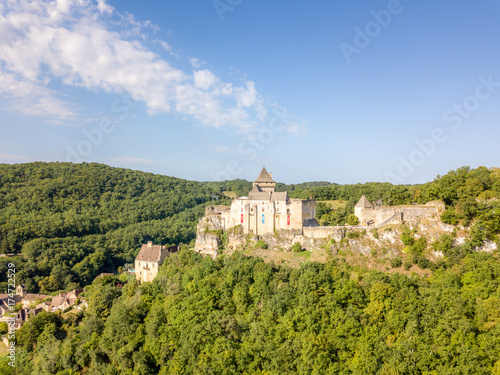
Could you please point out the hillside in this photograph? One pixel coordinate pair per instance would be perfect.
(308, 313)
(71, 222)
(74, 221)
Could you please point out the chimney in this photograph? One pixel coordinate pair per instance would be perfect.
(150, 243)
(271, 174)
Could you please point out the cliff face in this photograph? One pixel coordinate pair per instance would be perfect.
(385, 242)
(208, 235)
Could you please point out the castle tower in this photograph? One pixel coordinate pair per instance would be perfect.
(361, 205)
(264, 182)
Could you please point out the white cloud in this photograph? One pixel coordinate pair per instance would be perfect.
(87, 44)
(195, 63)
(32, 98)
(204, 79)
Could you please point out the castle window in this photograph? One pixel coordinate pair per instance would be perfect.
(262, 209)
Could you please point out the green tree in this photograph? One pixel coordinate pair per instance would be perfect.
(352, 220)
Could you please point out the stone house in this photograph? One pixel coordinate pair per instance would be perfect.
(24, 315)
(61, 303)
(149, 260)
(30, 299)
(4, 306)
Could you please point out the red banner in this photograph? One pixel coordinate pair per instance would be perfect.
(242, 218)
(288, 220)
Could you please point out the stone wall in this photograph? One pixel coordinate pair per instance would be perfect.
(398, 214)
(337, 233)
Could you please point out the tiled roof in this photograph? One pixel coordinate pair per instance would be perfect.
(264, 176)
(57, 301)
(260, 195)
(150, 252)
(364, 203)
(279, 196)
(33, 297)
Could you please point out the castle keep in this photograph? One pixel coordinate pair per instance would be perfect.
(266, 210)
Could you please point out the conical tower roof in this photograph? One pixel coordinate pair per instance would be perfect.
(364, 203)
(264, 176)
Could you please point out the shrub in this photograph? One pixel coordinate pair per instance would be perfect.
(375, 233)
(419, 246)
(353, 235)
(443, 244)
(407, 265)
(423, 262)
(396, 262)
(296, 247)
(352, 220)
(449, 216)
(261, 245)
(407, 238)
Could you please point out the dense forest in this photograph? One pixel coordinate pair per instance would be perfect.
(239, 315)
(235, 314)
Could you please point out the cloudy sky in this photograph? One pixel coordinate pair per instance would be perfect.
(342, 91)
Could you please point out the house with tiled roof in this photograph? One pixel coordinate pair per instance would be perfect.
(31, 298)
(62, 303)
(149, 260)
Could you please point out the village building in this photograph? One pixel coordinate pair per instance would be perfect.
(24, 315)
(149, 260)
(21, 290)
(31, 299)
(4, 306)
(63, 300)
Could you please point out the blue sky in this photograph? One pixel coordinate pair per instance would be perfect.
(344, 91)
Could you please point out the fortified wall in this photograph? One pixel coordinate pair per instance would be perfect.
(279, 220)
(372, 216)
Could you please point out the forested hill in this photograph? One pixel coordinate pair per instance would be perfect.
(73, 221)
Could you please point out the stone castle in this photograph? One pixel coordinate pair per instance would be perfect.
(265, 211)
